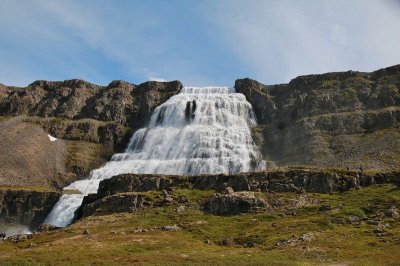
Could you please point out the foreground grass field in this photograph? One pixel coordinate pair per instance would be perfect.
(351, 228)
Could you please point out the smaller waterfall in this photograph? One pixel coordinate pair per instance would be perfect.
(199, 131)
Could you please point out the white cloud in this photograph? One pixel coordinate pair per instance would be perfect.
(272, 41)
(282, 39)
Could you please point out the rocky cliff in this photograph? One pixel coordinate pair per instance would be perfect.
(93, 122)
(343, 119)
(121, 102)
(128, 192)
(26, 207)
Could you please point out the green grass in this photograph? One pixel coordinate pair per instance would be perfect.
(112, 240)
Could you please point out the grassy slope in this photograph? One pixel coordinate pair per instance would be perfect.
(112, 240)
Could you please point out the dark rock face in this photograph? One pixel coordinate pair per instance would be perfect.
(26, 207)
(331, 120)
(138, 183)
(123, 202)
(124, 103)
(234, 203)
(291, 180)
(124, 193)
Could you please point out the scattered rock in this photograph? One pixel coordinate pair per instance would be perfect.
(140, 230)
(47, 228)
(182, 199)
(208, 242)
(167, 201)
(353, 219)
(250, 244)
(31, 245)
(170, 228)
(200, 222)
(291, 212)
(306, 237)
(373, 222)
(378, 214)
(393, 212)
(19, 238)
(180, 208)
(293, 241)
(324, 208)
(228, 190)
(253, 221)
(228, 242)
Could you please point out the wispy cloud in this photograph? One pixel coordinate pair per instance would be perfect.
(198, 42)
(279, 40)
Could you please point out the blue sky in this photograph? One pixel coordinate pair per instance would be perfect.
(198, 42)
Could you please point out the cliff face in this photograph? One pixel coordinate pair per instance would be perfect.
(26, 207)
(93, 122)
(128, 192)
(343, 119)
(120, 102)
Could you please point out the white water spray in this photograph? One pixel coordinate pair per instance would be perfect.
(198, 131)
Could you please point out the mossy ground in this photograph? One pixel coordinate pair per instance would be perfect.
(112, 240)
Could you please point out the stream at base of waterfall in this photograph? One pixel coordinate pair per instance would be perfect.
(198, 131)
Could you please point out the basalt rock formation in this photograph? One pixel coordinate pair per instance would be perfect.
(126, 192)
(26, 207)
(234, 203)
(121, 102)
(284, 180)
(343, 119)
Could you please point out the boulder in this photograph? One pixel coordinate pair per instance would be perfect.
(234, 203)
(47, 228)
(393, 212)
(170, 228)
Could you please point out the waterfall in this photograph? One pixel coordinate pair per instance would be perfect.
(198, 131)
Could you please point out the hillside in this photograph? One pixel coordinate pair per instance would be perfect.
(344, 119)
(93, 122)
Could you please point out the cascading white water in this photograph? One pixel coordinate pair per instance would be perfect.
(198, 131)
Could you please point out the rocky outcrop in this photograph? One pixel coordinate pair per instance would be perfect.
(88, 130)
(329, 120)
(122, 202)
(26, 207)
(124, 103)
(289, 180)
(242, 192)
(234, 203)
